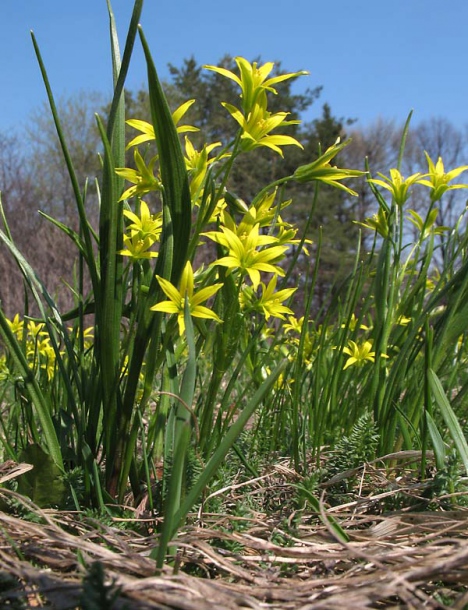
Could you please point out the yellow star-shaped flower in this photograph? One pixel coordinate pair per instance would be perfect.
(177, 298)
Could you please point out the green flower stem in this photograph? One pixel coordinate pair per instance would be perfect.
(109, 314)
(223, 447)
(385, 292)
(227, 337)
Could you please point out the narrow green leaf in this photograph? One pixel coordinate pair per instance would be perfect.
(327, 520)
(171, 508)
(437, 442)
(120, 68)
(109, 309)
(172, 166)
(180, 441)
(71, 171)
(73, 235)
(403, 140)
(449, 416)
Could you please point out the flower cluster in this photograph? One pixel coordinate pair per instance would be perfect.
(39, 352)
(178, 299)
(254, 239)
(255, 120)
(436, 179)
(142, 233)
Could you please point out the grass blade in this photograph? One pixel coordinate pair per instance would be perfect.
(71, 171)
(437, 442)
(181, 441)
(449, 416)
(172, 166)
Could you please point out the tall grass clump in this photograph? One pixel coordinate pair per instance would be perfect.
(189, 331)
(391, 342)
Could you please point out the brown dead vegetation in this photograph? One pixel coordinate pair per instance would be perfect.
(407, 558)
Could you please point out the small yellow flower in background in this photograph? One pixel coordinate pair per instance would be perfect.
(438, 180)
(269, 303)
(403, 320)
(258, 124)
(293, 325)
(359, 354)
(267, 333)
(322, 171)
(353, 324)
(265, 210)
(16, 325)
(287, 236)
(145, 225)
(378, 222)
(249, 220)
(38, 346)
(176, 302)
(143, 177)
(432, 280)
(262, 213)
(397, 185)
(461, 345)
(244, 255)
(36, 330)
(253, 80)
(137, 248)
(197, 163)
(282, 383)
(294, 328)
(426, 227)
(147, 129)
(4, 370)
(88, 335)
(39, 351)
(219, 210)
(48, 354)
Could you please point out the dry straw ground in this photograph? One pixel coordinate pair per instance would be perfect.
(408, 558)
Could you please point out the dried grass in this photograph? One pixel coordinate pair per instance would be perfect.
(405, 559)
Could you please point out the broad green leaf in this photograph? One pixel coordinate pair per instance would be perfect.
(44, 483)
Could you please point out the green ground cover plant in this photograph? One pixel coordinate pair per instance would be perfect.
(192, 332)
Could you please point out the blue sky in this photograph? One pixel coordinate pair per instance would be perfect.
(373, 57)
